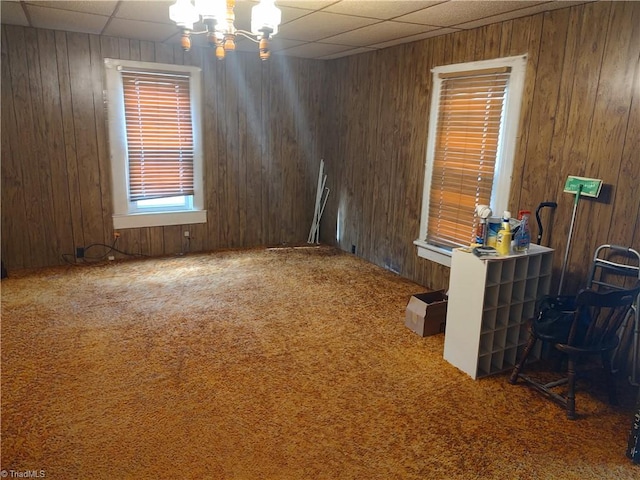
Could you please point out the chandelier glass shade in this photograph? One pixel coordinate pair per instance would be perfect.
(218, 19)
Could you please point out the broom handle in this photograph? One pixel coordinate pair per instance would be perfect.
(566, 251)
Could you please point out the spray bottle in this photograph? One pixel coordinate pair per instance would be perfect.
(503, 240)
(522, 238)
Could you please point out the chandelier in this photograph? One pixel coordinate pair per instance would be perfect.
(218, 17)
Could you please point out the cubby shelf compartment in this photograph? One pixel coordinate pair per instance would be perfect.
(518, 291)
(490, 303)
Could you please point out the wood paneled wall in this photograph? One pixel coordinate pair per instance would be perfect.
(580, 116)
(266, 126)
(261, 148)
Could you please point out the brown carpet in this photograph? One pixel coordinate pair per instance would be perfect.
(265, 364)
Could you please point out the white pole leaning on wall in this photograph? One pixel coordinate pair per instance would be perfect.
(322, 194)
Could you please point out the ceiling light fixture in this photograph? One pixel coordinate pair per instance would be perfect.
(218, 18)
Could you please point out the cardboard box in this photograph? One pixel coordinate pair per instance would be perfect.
(427, 313)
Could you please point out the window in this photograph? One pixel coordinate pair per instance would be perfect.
(475, 111)
(154, 135)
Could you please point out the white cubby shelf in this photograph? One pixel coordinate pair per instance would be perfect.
(490, 302)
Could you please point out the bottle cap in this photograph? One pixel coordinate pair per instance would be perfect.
(506, 214)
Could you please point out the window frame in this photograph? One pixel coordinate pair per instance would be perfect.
(126, 213)
(506, 150)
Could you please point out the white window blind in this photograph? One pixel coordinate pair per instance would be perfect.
(468, 135)
(159, 130)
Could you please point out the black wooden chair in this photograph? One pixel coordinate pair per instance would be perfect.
(550, 326)
(595, 318)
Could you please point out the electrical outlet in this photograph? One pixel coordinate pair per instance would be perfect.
(186, 233)
(79, 252)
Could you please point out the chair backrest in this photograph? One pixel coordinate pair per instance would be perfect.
(599, 315)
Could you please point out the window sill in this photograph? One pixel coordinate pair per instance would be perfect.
(159, 219)
(435, 254)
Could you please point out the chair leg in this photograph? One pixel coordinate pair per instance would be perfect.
(571, 393)
(518, 367)
(611, 384)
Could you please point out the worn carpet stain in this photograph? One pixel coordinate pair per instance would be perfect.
(266, 364)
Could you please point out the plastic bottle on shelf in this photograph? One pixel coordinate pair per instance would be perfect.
(483, 212)
(522, 238)
(481, 231)
(503, 240)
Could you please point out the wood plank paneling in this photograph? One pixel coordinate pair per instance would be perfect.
(26, 149)
(252, 144)
(610, 121)
(419, 107)
(15, 242)
(555, 174)
(371, 108)
(210, 154)
(627, 226)
(234, 229)
(570, 146)
(240, 75)
(267, 125)
(103, 163)
(275, 106)
(525, 40)
(53, 136)
(56, 188)
(576, 118)
(542, 110)
(41, 148)
(75, 202)
(85, 137)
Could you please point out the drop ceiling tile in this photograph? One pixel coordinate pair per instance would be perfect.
(343, 25)
(347, 53)
(382, 10)
(380, 32)
(13, 14)
(275, 44)
(157, 11)
(97, 8)
(518, 13)
(414, 38)
(56, 19)
(320, 25)
(153, 32)
(290, 14)
(313, 50)
(456, 12)
(306, 4)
